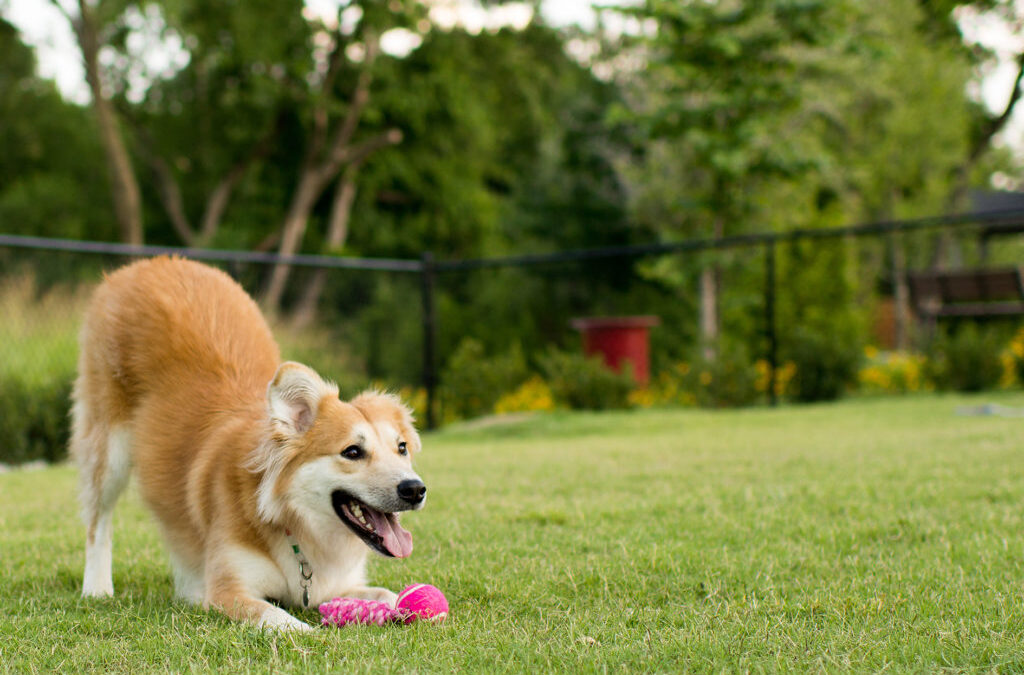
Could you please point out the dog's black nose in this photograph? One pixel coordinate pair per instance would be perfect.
(412, 491)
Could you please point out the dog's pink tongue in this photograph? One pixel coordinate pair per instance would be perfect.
(396, 539)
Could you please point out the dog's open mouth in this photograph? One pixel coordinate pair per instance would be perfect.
(379, 530)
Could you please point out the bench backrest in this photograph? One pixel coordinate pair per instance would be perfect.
(989, 285)
(942, 292)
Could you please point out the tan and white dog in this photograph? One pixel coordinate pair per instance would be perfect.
(266, 486)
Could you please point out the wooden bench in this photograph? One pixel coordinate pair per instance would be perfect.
(978, 293)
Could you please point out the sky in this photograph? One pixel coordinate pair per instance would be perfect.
(44, 28)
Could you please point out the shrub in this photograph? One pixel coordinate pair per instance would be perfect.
(966, 358)
(534, 394)
(585, 383)
(893, 372)
(37, 365)
(667, 388)
(473, 382)
(1015, 359)
(729, 381)
(34, 419)
(826, 365)
(784, 373)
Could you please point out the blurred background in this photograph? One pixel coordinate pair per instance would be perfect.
(800, 199)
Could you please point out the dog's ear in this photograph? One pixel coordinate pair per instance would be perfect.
(294, 394)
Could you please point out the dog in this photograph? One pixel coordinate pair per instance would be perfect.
(268, 489)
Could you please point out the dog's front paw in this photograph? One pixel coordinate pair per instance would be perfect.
(276, 618)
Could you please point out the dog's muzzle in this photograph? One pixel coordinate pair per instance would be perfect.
(412, 492)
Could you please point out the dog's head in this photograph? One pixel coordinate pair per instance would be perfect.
(331, 463)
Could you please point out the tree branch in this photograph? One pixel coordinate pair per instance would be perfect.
(218, 200)
(124, 187)
(360, 97)
(170, 196)
(997, 124)
(357, 153)
(320, 117)
(167, 186)
(337, 233)
(62, 10)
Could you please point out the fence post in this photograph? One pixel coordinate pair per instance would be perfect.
(429, 334)
(769, 318)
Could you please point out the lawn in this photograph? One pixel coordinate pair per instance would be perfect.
(876, 534)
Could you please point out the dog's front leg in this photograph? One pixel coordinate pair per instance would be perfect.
(230, 588)
(229, 598)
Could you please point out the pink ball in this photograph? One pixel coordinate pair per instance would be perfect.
(422, 601)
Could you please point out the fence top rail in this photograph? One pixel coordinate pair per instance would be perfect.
(960, 220)
(1006, 218)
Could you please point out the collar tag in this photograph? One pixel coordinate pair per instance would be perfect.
(305, 569)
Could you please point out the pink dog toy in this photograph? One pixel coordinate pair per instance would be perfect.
(419, 601)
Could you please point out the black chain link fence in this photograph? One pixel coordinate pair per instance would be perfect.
(398, 323)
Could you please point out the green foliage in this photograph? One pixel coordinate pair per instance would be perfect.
(34, 418)
(967, 358)
(719, 118)
(771, 116)
(503, 136)
(38, 348)
(826, 365)
(584, 383)
(238, 104)
(728, 381)
(473, 381)
(820, 323)
(51, 164)
(719, 94)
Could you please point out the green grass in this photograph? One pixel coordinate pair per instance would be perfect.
(870, 535)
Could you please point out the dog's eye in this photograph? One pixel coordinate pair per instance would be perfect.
(352, 452)
(402, 449)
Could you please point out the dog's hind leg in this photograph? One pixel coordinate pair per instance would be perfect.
(103, 456)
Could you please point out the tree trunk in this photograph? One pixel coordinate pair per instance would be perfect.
(292, 231)
(312, 181)
(901, 294)
(217, 203)
(337, 233)
(708, 312)
(123, 185)
(170, 196)
(709, 291)
(325, 159)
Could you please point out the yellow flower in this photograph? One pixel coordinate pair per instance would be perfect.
(1009, 375)
(534, 394)
(643, 398)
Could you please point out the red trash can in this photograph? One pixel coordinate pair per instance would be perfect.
(618, 339)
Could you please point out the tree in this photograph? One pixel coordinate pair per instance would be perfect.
(124, 187)
(202, 131)
(719, 89)
(330, 142)
(504, 150)
(986, 125)
(47, 169)
(783, 115)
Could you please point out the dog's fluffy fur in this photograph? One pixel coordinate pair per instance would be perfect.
(181, 380)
